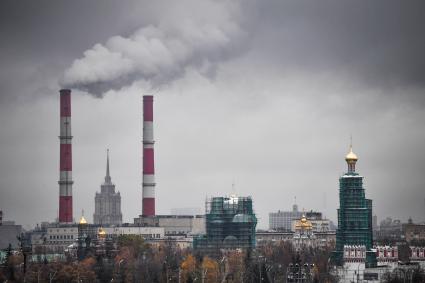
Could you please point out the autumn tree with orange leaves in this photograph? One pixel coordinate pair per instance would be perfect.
(210, 270)
(188, 269)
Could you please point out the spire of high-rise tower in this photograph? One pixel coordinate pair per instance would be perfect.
(107, 177)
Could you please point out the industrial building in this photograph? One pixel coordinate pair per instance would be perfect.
(230, 224)
(354, 215)
(9, 233)
(108, 202)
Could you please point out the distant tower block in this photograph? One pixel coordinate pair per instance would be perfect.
(65, 166)
(148, 158)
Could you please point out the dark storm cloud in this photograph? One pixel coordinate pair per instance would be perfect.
(379, 42)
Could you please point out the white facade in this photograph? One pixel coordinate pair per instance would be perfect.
(145, 232)
(175, 224)
(55, 239)
(282, 220)
(180, 242)
(354, 263)
(321, 225)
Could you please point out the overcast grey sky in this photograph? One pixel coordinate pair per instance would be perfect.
(264, 94)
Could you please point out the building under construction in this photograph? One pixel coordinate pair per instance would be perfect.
(354, 215)
(230, 224)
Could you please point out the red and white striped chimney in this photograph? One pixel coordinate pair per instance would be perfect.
(148, 158)
(65, 170)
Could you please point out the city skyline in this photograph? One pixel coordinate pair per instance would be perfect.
(268, 105)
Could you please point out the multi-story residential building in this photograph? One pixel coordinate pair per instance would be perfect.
(390, 230)
(413, 232)
(282, 220)
(174, 224)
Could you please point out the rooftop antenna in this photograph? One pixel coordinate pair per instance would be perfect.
(324, 204)
(295, 206)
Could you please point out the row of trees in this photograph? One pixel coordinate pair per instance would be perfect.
(131, 259)
(13, 270)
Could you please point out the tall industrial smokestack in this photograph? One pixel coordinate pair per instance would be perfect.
(148, 158)
(65, 170)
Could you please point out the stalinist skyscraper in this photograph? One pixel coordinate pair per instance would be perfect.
(107, 202)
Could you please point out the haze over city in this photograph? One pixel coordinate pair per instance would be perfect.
(257, 98)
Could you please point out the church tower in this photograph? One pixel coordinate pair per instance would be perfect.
(107, 202)
(354, 214)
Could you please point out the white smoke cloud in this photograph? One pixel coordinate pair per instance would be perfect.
(157, 54)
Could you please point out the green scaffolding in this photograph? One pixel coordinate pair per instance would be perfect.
(354, 218)
(230, 224)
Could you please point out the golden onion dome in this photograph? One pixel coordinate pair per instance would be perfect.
(303, 224)
(351, 156)
(83, 220)
(101, 233)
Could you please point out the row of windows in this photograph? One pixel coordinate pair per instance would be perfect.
(177, 232)
(61, 237)
(150, 236)
(146, 236)
(64, 230)
(58, 242)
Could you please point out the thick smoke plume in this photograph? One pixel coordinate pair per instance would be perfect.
(157, 54)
